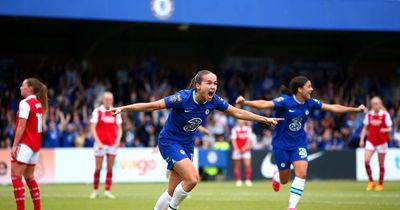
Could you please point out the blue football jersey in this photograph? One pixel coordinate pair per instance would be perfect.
(289, 133)
(187, 115)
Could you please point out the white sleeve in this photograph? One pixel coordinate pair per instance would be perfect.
(95, 116)
(249, 132)
(388, 120)
(233, 133)
(366, 121)
(24, 109)
(119, 119)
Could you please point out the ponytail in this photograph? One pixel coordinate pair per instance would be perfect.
(296, 83)
(42, 95)
(285, 90)
(40, 90)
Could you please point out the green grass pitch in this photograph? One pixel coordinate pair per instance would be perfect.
(318, 195)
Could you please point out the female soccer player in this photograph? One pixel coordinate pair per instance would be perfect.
(240, 136)
(25, 150)
(190, 109)
(289, 139)
(107, 133)
(378, 124)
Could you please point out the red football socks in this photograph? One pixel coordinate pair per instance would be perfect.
(96, 180)
(35, 192)
(19, 192)
(108, 180)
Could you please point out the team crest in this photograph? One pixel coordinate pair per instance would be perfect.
(307, 112)
(182, 152)
(207, 111)
(175, 98)
(162, 9)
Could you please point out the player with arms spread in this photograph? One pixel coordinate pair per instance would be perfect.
(190, 108)
(26, 146)
(378, 125)
(107, 133)
(289, 139)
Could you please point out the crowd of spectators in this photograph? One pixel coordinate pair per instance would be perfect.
(74, 92)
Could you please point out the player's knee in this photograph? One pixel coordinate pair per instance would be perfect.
(193, 180)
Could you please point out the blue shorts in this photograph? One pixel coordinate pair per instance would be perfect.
(284, 158)
(173, 151)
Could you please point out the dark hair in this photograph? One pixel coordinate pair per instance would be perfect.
(295, 84)
(198, 78)
(40, 90)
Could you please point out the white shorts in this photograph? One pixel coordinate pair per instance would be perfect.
(26, 155)
(107, 150)
(382, 148)
(239, 156)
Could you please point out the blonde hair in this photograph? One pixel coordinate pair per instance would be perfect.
(379, 100)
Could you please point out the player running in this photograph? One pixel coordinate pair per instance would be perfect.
(378, 124)
(289, 139)
(240, 137)
(107, 133)
(25, 150)
(190, 108)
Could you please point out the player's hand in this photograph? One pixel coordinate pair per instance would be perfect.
(155, 150)
(240, 100)
(116, 144)
(14, 152)
(100, 146)
(115, 111)
(273, 121)
(361, 108)
(361, 144)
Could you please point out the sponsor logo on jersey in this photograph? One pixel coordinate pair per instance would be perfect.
(187, 110)
(182, 151)
(296, 124)
(108, 119)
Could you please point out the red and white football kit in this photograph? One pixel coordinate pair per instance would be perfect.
(30, 109)
(376, 140)
(242, 136)
(106, 129)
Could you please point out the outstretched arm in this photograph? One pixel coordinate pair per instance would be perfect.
(245, 115)
(336, 108)
(140, 107)
(259, 104)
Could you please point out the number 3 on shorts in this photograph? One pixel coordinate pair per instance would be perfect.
(302, 152)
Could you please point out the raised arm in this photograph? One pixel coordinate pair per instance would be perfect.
(140, 107)
(336, 108)
(259, 104)
(245, 115)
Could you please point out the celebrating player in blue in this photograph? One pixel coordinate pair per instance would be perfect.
(289, 139)
(190, 108)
